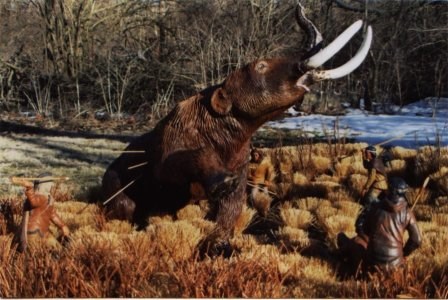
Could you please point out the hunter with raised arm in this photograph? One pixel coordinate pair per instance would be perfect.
(38, 213)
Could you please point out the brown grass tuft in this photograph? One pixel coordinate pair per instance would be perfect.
(341, 194)
(309, 203)
(261, 201)
(295, 218)
(356, 182)
(244, 219)
(348, 208)
(397, 168)
(190, 212)
(403, 153)
(338, 223)
(300, 179)
(423, 212)
(175, 240)
(294, 237)
(440, 219)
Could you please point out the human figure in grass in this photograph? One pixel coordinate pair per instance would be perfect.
(38, 213)
(380, 242)
(376, 180)
(260, 177)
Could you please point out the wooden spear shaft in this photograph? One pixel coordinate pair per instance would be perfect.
(420, 192)
(138, 165)
(249, 183)
(382, 143)
(125, 151)
(40, 178)
(119, 191)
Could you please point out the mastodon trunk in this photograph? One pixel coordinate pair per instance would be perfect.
(313, 42)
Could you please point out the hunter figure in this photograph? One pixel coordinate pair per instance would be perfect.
(380, 229)
(261, 173)
(376, 180)
(38, 212)
(260, 177)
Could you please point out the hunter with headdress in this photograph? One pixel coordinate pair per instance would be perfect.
(376, 177)
(39, 212)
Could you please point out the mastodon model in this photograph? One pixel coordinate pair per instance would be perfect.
(205, 139)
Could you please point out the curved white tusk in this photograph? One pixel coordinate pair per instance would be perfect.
(328, 52)
(349, 66)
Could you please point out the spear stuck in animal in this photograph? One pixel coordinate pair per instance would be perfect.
(137, 165)
(119, 191)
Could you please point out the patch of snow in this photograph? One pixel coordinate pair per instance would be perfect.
(424, 122)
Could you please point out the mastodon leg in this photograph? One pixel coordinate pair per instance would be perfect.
(229, 201)
(121, 207)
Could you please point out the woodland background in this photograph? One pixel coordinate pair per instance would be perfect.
(64, 58)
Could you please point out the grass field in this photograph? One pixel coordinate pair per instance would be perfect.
(283, 247)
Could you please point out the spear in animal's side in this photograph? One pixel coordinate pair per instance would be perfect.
(137, 165)
(119, 191)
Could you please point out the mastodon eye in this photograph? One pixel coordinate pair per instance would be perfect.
(261, 67)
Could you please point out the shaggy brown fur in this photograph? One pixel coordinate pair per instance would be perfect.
(205, 139)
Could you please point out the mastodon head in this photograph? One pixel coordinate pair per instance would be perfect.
(266, 87)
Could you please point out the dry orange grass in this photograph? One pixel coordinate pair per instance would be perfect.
(397, 167)
(310, 203)
(403, 153)
(440, 219)
(356, 182)
(191, 212)
(416, 194)
(244, 219)
(261, 201)
(175, 240)
(341, 194)
(263, 253)
(244, 242)
(322, 188)
(295, 218)
(338, 223)
(441, 179)
(111, 259)
(320, 164)
(423, 212)
(300, 179)
(325, 210)
(294, 237)
(348, 208)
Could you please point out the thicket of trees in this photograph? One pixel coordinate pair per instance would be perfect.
(68, 56)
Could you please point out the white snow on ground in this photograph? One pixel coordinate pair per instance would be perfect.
(417, 124)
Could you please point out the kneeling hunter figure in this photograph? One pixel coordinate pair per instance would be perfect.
(38, 212)
(380, 242)
(377, 179)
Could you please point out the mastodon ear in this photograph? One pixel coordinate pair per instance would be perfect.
(221, 104)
